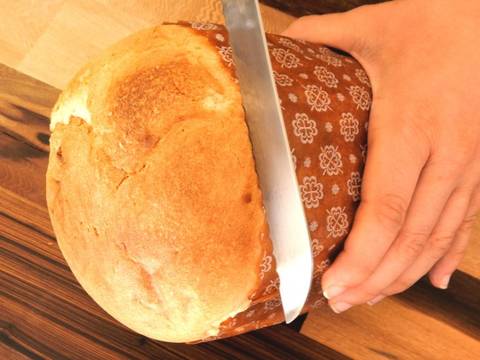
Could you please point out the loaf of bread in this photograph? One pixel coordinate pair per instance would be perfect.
(152, 189)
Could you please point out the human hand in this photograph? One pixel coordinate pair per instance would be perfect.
(421, 186)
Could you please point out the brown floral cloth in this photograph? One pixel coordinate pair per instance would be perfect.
(325, 99)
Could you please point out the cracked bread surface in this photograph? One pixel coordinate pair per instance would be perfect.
(151, 186)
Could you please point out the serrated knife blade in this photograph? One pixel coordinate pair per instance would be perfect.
(278, 182)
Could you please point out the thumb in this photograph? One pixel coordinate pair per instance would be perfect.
(353, 31)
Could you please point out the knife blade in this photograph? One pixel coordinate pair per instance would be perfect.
(271, 150)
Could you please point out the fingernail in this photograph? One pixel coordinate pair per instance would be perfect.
(376, 299)
(340, 307)
(444, 282)
(333, 291)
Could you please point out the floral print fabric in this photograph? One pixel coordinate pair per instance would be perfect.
(325, 99)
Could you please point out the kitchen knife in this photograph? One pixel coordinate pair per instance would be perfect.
(278, 182)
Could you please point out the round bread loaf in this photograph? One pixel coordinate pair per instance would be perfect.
(151, 184)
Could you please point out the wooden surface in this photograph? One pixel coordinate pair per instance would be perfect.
(50, 39)
(422, 323)
(44, 313)
(43, 310)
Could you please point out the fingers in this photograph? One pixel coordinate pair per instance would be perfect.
(433, 190)
(443, 269)
(437, 244)
(347, 31)
(391, 174)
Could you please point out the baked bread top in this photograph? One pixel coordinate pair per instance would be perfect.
(152, 189)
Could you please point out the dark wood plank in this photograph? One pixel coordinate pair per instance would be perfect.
(309, 7)
(25, 106)
(44, 312)
(41, 302)
(8, 352)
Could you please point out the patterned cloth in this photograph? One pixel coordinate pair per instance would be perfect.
(325, 99)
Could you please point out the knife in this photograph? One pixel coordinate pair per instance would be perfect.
(278, 182)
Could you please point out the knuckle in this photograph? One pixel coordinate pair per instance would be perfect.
(363, 47)
(440, 243)
(391, 211)
(468, 223)
(412, 243)
(443, 165)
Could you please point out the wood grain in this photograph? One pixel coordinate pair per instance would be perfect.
(16, 38)
(422, 323)
(44, 313)
(24, 107)
(50, 40)
(399, 329)
(402, 326)
(41, 302)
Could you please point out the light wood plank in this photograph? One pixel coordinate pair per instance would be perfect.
(22, 23)
(390, 330)
(399, 327)
(50, 42)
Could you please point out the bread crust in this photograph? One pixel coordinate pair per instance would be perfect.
(152, 189)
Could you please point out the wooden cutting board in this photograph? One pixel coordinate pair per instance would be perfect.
(43, 310)
(50, 39)
(44, 313)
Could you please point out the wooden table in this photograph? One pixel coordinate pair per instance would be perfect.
(43, 310)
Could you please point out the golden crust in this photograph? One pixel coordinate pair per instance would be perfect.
(151, 186)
